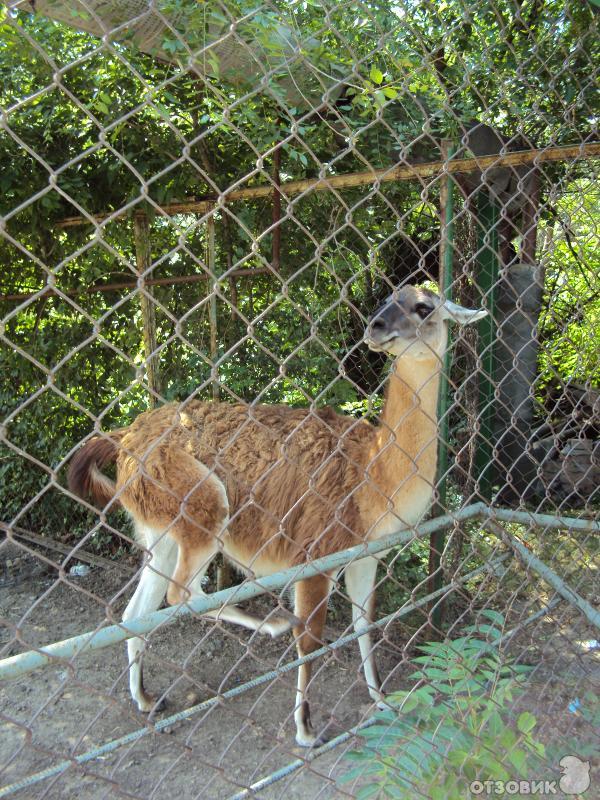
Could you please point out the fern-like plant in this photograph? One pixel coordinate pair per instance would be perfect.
(455, 726)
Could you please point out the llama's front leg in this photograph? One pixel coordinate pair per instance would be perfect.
(360, 584)
(311, 609)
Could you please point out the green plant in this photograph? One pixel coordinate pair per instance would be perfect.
(453, 727)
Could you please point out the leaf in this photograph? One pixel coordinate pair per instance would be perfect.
(388, 716)
(490, 630)
(518, 758)
(507, 738)
(358, 755)
(352, 774)
(379, 98)
(434, 672)
(409, 703)
(495, 724)
(383, 741)
(393, 791)
(495, 616)
(526, 722)
(163, 109)
(445, 688)
(365, 792)
(376, 75)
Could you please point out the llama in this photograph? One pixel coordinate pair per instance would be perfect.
(271, 486)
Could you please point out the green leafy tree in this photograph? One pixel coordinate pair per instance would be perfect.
(90, 129)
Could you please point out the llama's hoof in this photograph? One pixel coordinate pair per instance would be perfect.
(379, 699)
(276, 627)
(307, 739)
(151, 704)
(381, 702)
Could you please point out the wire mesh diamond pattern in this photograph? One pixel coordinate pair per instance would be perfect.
(300, 446)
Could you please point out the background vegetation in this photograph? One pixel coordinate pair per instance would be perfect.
(95, 128)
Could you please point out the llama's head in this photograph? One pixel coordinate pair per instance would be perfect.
(413, 323)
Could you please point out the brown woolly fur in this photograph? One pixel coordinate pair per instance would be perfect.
(298, 484)
(286, 473)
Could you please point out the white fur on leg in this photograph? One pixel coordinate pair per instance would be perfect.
(274, 627)
(305, 735)
(360, 583)
(147, 597)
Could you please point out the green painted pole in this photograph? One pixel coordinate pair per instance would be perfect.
(486, 281)
(437, 539)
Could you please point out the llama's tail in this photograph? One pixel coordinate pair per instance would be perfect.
(85, 478)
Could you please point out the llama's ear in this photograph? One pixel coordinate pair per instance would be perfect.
(463, 316)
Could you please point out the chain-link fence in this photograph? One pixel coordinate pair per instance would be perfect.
(301, 307)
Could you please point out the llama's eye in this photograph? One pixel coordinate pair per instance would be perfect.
(423, 310)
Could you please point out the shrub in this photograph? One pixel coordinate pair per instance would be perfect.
(455, 726)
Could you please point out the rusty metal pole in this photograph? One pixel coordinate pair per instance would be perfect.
(224, 574)
(143, 257)
(212, 308)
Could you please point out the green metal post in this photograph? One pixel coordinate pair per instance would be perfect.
(437, 539)
(487, 281)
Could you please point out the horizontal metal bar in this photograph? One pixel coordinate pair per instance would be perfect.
(543, 520)
(557, 583)
(21, 664)
(271, 675)
(48, 291)
(387, 174)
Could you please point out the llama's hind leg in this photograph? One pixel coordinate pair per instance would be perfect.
(198, 530)
(200, 523)
(197, 562)
(147, 597)
(274, 627)
(311, 608)
(193, 559)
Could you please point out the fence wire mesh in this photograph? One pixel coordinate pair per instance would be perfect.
(300, 308)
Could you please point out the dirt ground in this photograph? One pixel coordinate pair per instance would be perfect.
(59, 712)
(55, 713)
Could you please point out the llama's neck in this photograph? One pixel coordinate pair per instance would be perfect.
(410, 408)
(404, 456)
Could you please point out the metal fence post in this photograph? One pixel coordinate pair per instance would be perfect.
(486, 281)
(212, 307)
(446, 251)
(141, 230)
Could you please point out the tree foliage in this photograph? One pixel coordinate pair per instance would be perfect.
(92, 128)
